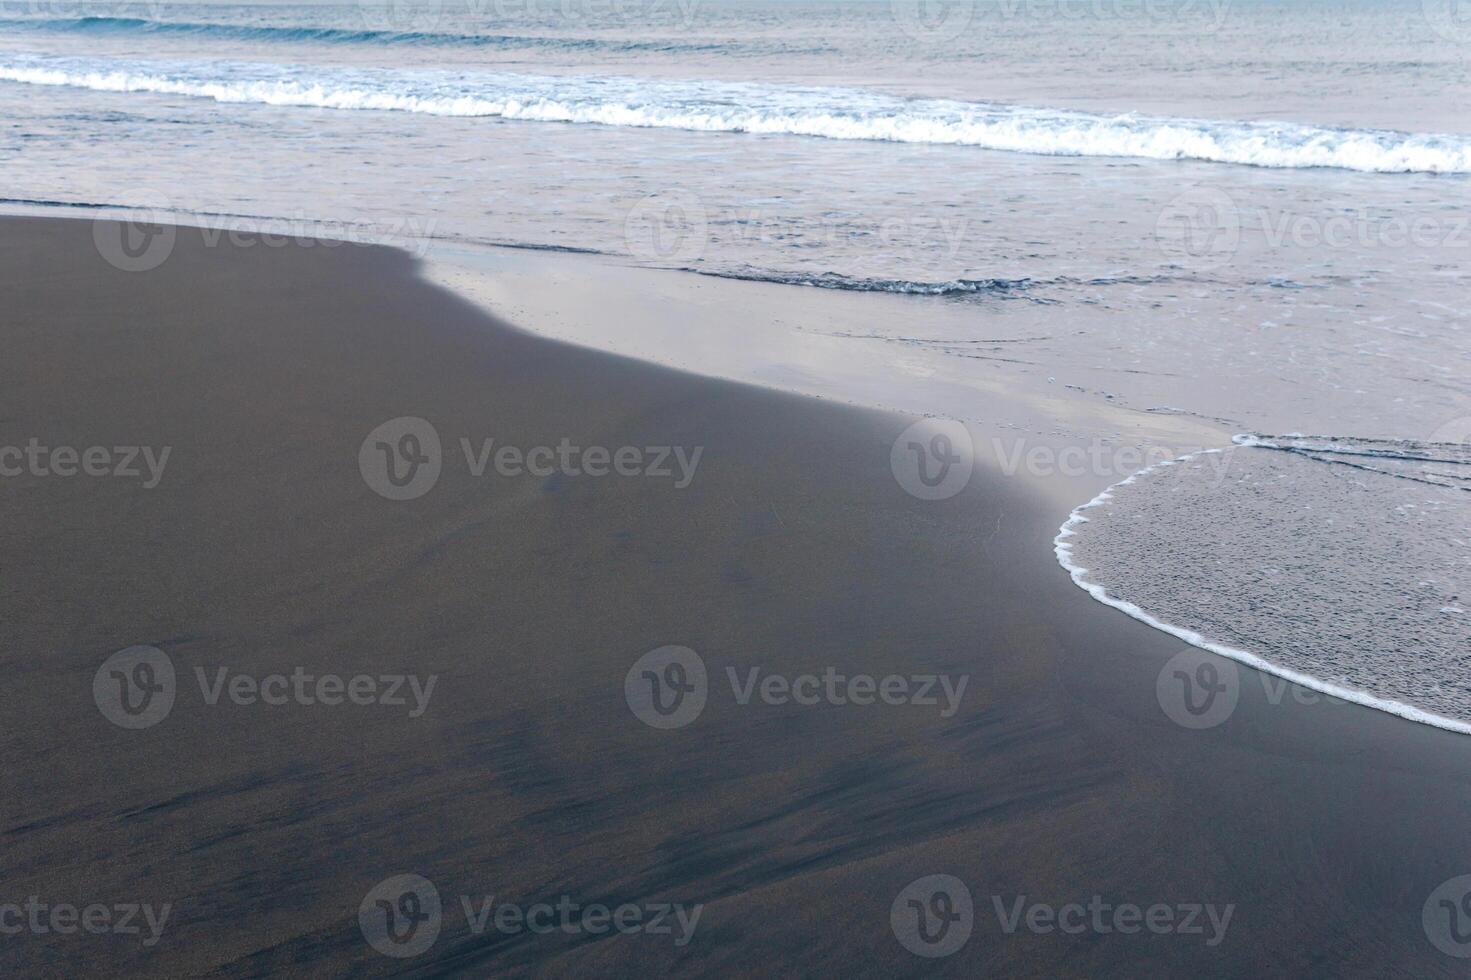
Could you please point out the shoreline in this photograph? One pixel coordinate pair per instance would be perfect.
(1098, 591)
(864, 380)
(794, 550)
(452, 274)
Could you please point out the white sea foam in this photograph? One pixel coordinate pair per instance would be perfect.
(733, 107)
(1064, 548)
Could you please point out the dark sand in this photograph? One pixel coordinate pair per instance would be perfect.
(528, 777)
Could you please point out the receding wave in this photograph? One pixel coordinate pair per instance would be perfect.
(1441, 464)
(836, 280)
(947, 287)
(735, 107)
(1338, 563)
(127, 26)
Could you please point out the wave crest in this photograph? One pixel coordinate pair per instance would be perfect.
(96, 25)
(733, 107)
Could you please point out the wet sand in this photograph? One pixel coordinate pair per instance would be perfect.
(263, 548)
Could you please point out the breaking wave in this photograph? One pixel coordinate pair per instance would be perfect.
(735, 107)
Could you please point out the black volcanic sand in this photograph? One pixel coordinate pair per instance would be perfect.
(528, 777)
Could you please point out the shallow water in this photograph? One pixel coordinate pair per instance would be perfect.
(1342, 563)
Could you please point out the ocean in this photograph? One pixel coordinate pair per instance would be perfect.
(1254, 214)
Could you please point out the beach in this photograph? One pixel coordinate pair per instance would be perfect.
(485, 608)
